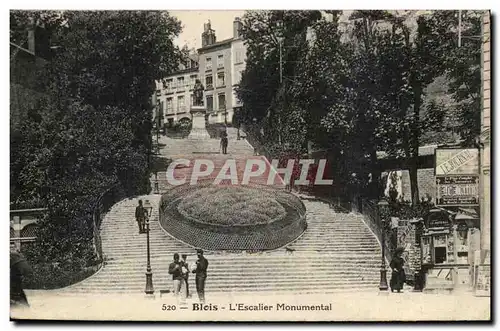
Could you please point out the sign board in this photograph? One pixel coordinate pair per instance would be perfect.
(483, 282)
(457, 190)
(457, 161)
(438, 220)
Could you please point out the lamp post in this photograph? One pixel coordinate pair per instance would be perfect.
(157, 191)
(383, 271)
(149, 274)
(281, 39)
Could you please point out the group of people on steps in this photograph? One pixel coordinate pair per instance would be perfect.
(179, 269)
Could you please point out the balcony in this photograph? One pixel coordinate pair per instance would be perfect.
(210, 86)
(208, 68)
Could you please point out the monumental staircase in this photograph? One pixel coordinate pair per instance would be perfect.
(336, 252)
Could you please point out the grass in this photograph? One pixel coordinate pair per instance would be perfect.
(229, 205)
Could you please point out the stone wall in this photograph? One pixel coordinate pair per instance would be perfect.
(407, 233)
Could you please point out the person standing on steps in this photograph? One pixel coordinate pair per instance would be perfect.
(398, 274)
(175, 269)
(224, 142)
(185, 273)
(201, 274)
(140, 216)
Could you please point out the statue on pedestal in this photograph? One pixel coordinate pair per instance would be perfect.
(198, 93)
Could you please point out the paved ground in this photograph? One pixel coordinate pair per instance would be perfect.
(358, 306)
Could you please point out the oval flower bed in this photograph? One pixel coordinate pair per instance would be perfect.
(221, 217)
(231, 205)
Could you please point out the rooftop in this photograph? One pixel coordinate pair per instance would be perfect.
(219, 43)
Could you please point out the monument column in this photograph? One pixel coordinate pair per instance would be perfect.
(198, 112)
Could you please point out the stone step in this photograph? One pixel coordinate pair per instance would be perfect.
(168, 258)
(120, 268)
(349, 255)
(297, 250)
(235, 277)
(339, 288)
(231, 280)
(257, 285)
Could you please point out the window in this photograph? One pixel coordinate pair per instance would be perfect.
(180, 103)
(220, 61)
(210, 103)
(170, 105)
(235, 97)
(237, 76)
(220, 79)
(208, 65)
(209, 82)
(238, 56)
(167, 84)
(222, 101)
(192, 81)
(180, 82)
(162, 107)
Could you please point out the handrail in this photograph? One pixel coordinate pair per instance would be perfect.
(381, 228)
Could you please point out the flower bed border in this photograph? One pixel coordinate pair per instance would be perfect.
(237, 237)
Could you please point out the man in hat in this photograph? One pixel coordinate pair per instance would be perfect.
(185, 272)
(140, 216)
(175, 269)
(398, 277)
(201, 274)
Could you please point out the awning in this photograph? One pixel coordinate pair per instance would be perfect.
(466, 214)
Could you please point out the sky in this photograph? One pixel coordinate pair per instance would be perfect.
(192, 23)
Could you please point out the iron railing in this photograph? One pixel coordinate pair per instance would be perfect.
(379, 226)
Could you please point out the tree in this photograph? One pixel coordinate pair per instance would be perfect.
(259, 90)
(463, 68)
(92, 126)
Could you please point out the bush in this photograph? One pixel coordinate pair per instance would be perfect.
(231, 206)
(405, 211)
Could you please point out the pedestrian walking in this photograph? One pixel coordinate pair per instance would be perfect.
(201, 274)
(398, 274)
(140, 215)
(19, 269)
(224, 142)
(175, 269)
(185, 273)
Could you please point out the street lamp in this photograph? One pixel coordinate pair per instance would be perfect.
(149, 274)
(158, 105)
(383, 272)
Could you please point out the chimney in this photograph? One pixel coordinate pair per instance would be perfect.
(208, 35)
(237, 27)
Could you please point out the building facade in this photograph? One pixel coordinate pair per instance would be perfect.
(174, 94)
(220, 67)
